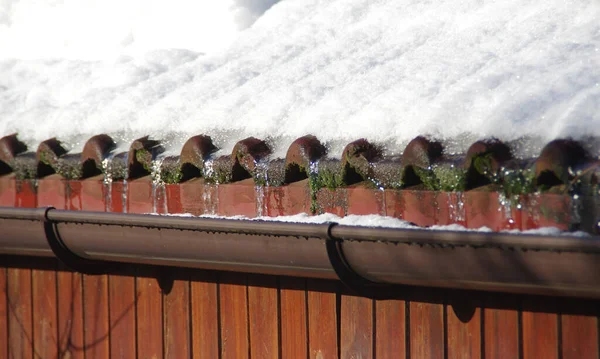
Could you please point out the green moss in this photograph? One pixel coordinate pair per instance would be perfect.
(70, 171)
(442, 178)
(451, 179)
(118, 170)
(330, 175)
(171, 175)
(387, 175)
(24, 167)
(483, 163)
(516, 182)
(219, 175)
(428, 178)
(330, 179)
(144, 157)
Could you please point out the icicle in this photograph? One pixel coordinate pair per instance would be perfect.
(313, 174)
(576, 205)
(456, 208)
(124, 194)
(380, 194)
(209, 191)
(158, 185)
(506, 208)
(261, 180)
(107, 181)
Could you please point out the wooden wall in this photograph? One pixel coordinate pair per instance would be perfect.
(49, 312)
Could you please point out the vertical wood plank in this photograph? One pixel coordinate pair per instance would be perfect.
(149, 318)
(356, 327)
(176, 321)
(294, 336)
(20, 331)
(540, 328)
(70, 315)
(426, 330)
(45, 322)
(234, 316)
(263, 314)
(96, 316)
(390, 340)
(501, 327)
(463, 318)
(3, 314)
(205, 317)
(322, 320)
(580, 336)
(122, 317)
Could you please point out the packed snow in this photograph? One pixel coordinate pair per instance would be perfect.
(387, 70)
(373, 220)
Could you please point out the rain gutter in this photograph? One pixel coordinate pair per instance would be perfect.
(373, 262)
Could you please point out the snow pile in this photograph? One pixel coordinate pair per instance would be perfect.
(387, 70)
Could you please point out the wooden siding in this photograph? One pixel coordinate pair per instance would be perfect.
(49, 312)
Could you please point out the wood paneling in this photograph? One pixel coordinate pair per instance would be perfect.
(177, 331)
(20, 328)
(70, 315)
(294, 336)
(463, 318)
(580, 337)
(263, 309)
(390, 341)
(3, 314)
(45, 321)
(322, 320)
(149, 318)
(234, 316)
(356, 327)
(501, 328)
(205, 316)
(426, 330)
(540, 328)
(96, 316)
(122, 317)
(47, 314)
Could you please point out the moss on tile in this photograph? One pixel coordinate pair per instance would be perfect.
(450, 179)
(118, 167)
(387, 174)
(25, 166)
(170, 172)
(144, 157)
(275, 173)
(517, 181)
(327, 174)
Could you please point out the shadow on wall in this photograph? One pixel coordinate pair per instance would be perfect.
(77, 331)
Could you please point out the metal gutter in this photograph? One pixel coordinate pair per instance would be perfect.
(371, 261)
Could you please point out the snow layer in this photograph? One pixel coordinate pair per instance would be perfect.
(94, 29)
(373, 220)
(387, 70)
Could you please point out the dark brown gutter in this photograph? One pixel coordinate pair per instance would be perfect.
(366, 259)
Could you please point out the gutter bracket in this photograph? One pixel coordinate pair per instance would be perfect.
(65, 255)
(349, 277)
